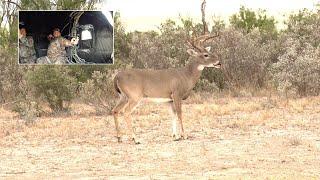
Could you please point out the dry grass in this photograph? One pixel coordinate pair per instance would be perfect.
(267, 138)
(295, 141)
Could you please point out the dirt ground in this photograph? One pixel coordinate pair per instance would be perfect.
(229, 138)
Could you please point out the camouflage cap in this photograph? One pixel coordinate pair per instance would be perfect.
(56, 29)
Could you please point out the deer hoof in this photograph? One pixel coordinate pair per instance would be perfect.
(184, 137)
(135, 141)
(119, 139)
(176, 137)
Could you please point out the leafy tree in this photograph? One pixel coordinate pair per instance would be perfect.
(248, 20)
(218, 25)
(121, 39)
(304, 25)
(57, 4)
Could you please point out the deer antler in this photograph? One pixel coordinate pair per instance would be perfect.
(197, 43)
(209, 37)
(192, 44)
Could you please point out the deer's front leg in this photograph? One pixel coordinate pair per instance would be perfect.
(177, 107)
(175, 134)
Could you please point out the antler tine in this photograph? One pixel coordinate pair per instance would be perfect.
(203, 38)
(197, 42)
(210, 37)
(193, 45)
(207, 36)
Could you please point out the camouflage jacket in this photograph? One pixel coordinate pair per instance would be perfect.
(26, 47)
(57, 51)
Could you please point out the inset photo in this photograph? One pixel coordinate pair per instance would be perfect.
(66, 37)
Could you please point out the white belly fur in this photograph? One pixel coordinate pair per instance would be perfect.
(157, 100)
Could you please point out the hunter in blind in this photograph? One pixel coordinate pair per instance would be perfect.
(56, 50)
(27, 53)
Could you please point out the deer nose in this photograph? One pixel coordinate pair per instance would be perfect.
(218, 63)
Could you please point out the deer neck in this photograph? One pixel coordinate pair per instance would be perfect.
(193, 71)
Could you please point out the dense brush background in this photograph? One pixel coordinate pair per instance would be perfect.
(258, 59)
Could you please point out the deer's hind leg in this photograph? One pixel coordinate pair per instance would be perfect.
(115, 112)
(132, 103)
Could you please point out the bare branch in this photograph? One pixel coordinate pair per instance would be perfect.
(11, 2)
(203, 9)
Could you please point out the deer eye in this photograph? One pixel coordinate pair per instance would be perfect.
(206, 55)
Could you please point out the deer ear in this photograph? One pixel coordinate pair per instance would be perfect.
(192, 52)
(208, 48)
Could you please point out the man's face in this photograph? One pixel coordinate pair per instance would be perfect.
(23, 32)
(56, 34)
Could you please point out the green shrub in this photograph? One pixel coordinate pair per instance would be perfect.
(28, 109)
(12, 84)
(245, 60)
(298, 69)
(54, 84)
(99, 91)
(206, 86)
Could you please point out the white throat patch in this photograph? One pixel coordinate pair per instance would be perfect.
(201, 67)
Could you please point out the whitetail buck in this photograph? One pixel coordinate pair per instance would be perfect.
(166, 85)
